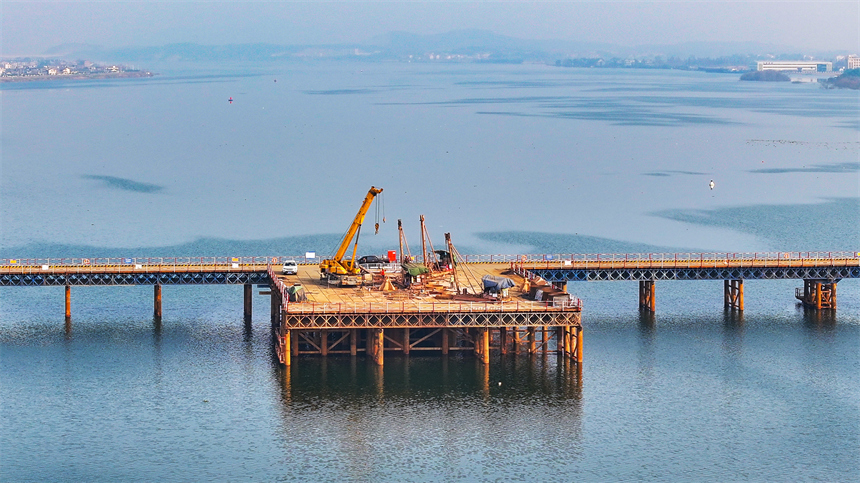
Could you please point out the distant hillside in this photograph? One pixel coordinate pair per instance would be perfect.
(182, 52)
(462, 44)
(850, 79)
(719, 49)
(458, 45)
(472, 42)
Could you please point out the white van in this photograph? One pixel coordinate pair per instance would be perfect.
(290, 267)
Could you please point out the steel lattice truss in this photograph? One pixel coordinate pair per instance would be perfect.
(732, 273)
(424, 319)
(194, 278)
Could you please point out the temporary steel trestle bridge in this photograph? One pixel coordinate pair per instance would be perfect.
(419, 324)
(820, 271)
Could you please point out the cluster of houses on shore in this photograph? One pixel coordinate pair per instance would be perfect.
(30, 69)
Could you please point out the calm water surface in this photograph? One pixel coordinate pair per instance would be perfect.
(525, 158)
(691, 393)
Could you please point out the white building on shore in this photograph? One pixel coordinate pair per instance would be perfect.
(796, 65)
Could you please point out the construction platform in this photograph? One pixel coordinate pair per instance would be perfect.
(447, 311)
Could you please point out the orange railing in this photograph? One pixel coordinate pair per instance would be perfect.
(691, 260)
(435, 307)
(135, 265)
(585, 261)
(278, 284)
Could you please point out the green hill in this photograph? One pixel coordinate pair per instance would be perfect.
(850, 79)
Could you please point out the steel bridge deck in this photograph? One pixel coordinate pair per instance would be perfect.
(156, 274)
(772, 266)
(726, 273)
(330, 307)
(553, 268)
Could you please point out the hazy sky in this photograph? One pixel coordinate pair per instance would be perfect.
(31, 27)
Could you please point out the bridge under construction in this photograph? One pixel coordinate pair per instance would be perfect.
(347, 304)
(369, 319)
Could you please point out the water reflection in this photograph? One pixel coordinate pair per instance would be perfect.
(731, 357)
(733, 319)
(733, 335)
(647, 322)
(819, 320)
(354, 382)
(432, 411)
(157, 329)
(248, 331)
(644, 386)
(158, 380)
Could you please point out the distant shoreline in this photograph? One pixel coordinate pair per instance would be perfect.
(100, 76)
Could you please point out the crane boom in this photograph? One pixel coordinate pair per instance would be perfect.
(337, 265)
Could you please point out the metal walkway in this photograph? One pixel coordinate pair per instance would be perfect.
(135, 271)
(831, 266)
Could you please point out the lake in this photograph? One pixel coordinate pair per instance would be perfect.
(509, 159)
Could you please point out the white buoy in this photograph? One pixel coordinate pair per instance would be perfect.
(711, 184)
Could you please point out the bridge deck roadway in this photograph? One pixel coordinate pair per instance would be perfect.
(146, 268)
(823, 265)
(693, 263)
(695, 269)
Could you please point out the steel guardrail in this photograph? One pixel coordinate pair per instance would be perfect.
(583, 261)
(437, 307)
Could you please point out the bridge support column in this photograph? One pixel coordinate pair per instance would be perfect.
(531, 337)
(375, 342)
(286, 347)
(560, 341)
(647, 295)
(542, 347)
(275, 308)
(353, 342)
(156, 312)
(406, 341)
(516, 342)
(248, 298)
(68, 302)
(445, 342)
(577, 337)
(579, 345)
(503, 340)
(563, 340)
(833, 295)
(819, 294)
(733, 294)
(482, 345)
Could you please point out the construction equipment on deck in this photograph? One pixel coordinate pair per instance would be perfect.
(431, 262)
(405, 256)
(347, 272)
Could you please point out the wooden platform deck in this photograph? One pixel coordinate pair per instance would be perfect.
(436, 296)
(427, 316)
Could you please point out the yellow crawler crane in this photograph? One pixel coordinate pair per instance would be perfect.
(347, 272)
